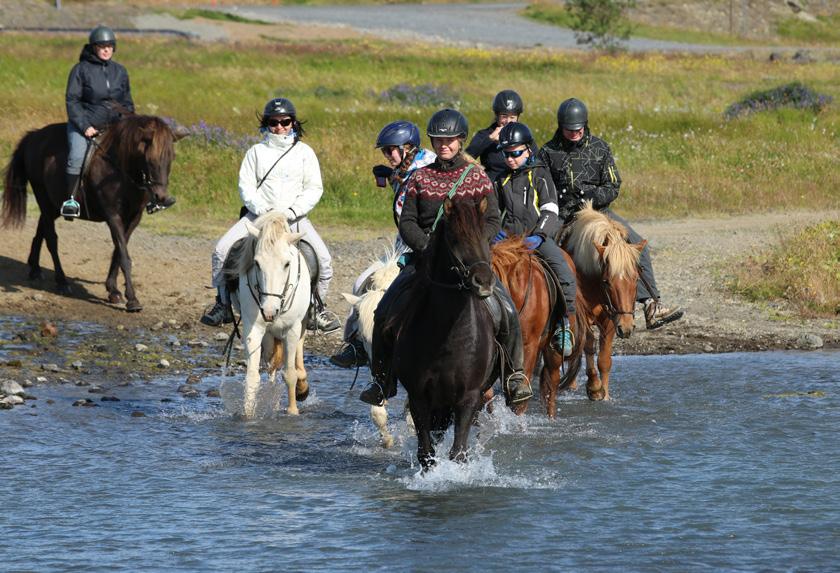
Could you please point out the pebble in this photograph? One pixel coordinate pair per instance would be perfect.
(197, 343)
(41, 379)
(213, 393)
(48, 329)
(175, 343)
(13, 400)
(82, 383)
(50, 401)
(221, 336)
(140, 347)
(109, 399)
(77, 365)
(11, 388)
(138, 414)
(166, 399)
(95, 389)
(809, 341)
(191, 394)
(28, 383)
(708, 348)
(164, 363)
(172, 322)
(120, 327)
(38, 296)
(193, 379)
(6, 405)
(50, 367)
(87, 402)
(157, 326)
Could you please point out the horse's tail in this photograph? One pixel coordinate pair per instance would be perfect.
(574, 359)
(14, 196)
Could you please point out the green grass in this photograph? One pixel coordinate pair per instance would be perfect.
(804, 270)
(662, 115)
(191, 13)
(825, 31)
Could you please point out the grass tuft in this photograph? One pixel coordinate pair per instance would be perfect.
(793, 95)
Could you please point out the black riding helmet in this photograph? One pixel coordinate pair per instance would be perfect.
(102, 35)
(572, 114)
(279, 106)
(508, 101)
(448, 123)
(514, 134)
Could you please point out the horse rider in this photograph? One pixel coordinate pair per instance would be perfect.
(528, 202)
(399, 142)
(280, 173)
(583, 168)
(425, 193)
(507, 107)
(96, 83)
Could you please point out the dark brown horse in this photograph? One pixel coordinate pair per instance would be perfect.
(607, 271)
(445, 350)
(128, 169)
(523, 274)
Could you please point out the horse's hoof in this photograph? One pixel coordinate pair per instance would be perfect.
(133, 306)
(301, 391)
(116, 298)
(596, 396)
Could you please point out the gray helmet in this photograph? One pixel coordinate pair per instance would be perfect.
(572, 114)
(448, 123)
(507, 101)
(514, 134)
(279, 106)
(102, 35)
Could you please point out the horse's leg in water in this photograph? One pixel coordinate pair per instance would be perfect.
(272, 351)
(550, 379)
(593, 383)
(422, 426)
(114, 294)
(290, 343)
(605, 361)
(253, 347)
(379, 415)
(302, 388)
(34, 260)
(118, 236)
(464, 416)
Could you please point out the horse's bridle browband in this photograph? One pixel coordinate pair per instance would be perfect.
(459, 268)
(282, 296)
(610, 307)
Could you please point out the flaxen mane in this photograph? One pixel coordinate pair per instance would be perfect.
(273, 227)
(592, 227)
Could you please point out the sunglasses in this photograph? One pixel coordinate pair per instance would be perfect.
(517, 153)
(285, 122)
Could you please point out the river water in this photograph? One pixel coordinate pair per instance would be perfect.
(705, 462)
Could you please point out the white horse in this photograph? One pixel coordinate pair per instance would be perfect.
(386, 270)
(273, 298)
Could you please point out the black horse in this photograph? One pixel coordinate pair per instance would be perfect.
(444, 352)
(128, 170)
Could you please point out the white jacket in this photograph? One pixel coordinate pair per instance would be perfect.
(293, 187)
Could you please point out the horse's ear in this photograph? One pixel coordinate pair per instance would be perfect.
(482, 205)
(641, 245)
(294, 237)
(179, 132)
(252, 229)
(447, 206)
(351, 298)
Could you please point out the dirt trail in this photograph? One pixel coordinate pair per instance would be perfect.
(171, 274)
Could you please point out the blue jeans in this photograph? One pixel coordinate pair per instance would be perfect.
(77, 145)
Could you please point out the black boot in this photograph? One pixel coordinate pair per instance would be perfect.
(70, 209)
(516, 386)
(351, 354)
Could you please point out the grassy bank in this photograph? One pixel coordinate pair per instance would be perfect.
(661, 114)
(804, 269)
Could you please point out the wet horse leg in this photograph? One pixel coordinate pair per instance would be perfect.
(464, 416)
(605, 362)
(596, 387)
(550, 380)
(114, 294)
(120, 239)
(302, 388)
(290, 343)
(253, 348)
(593, 383)
(422, 426)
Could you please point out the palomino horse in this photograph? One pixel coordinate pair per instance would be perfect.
(444, 352)
(525, 278)
(273, 299)
(128, 170)
(365, 305)
(607, 271)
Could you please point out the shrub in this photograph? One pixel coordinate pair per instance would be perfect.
(600, 23)
(424, 95)
(794, 95)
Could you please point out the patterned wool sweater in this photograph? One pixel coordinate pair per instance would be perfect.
(429, 186)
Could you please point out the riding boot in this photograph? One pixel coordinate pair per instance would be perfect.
(515, 385)
(70, 209)
(563, 338)
(352, 353)
(384, 384)
(221, 312)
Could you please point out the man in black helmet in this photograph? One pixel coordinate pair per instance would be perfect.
(94, 86)
(583, 168)
(452, 173)
(507, 105)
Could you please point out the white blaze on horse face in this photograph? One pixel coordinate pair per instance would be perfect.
(273, 269)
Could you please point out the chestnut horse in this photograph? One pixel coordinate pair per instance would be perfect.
(525, 277)
(128, 169)
(607, 271)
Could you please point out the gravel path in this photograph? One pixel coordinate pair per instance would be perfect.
(171, 274)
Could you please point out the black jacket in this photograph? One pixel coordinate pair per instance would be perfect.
(581, 171)
(484, 149)
(528, 201)
(92, 87)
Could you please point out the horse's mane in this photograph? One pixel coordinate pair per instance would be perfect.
(507, 255)
(386, 270)
(273, 226)
(133, 134)
(592, 227)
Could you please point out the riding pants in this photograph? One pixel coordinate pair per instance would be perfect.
(553, 255)
(240, 231)
(77, 145)
(645, 265)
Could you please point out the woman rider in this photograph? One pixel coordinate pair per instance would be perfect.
(95, 84)
(507, 105)
(280, 173)
(399, 142)
(425, 192)
(528, 201)
(583, 168)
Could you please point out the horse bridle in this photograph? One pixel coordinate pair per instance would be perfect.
(609, 306)
(461, 270)
(146, 182)
(282, 296)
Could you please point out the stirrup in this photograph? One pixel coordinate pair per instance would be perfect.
(370, 396)
(70, 209)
